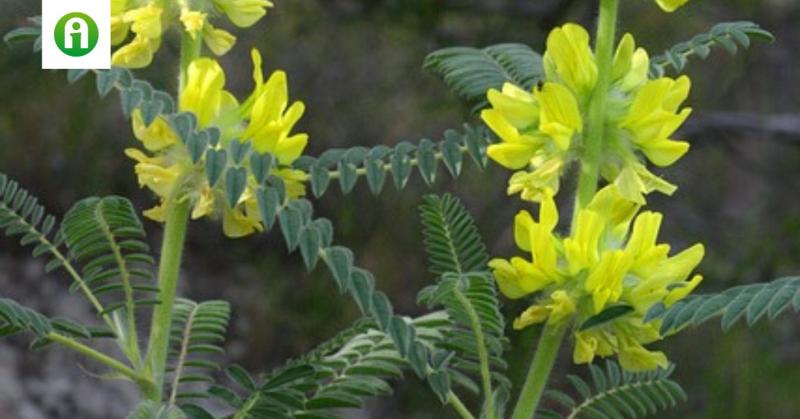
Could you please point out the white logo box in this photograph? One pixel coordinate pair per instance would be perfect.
(55, 59)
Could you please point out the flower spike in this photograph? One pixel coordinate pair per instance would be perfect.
(603, 264)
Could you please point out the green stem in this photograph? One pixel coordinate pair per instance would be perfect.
(539, 372)
(595, 129)
(178, 212)
(486, 374)
(190, 51)
(147, 387)
(168, 272)
(458, 405)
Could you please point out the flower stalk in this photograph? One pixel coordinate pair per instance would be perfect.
(539, 372)
(168, 273)
(593, 146)
(191, 47)
(553, 334)
(176, 223)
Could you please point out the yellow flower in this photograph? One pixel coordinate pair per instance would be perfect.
(158, 136)
(617, 213)
(635, 181)
(634, 357)
(204, 93)
(149, 19)
(243, 13)
(513, 110)
(603, 263)
(585, 348)
(561, 306)
(630, 66)
(242, 220)
(538, 239)
(542, 181)
(119, 28)
(581, 249)
(155, 173)
(554, 115)
(604, 281)
(626, 338)
(145, 21)
(264, 120)
(118, 7)
(654, 117)
(217, 40)
(271, 122)
(671, 5)
(533, 315)
(204, 203)
(137, 54)
(193, 21)
(294, 181)
(541, 131)
(560, 117)
(516, 277)
(569, 59)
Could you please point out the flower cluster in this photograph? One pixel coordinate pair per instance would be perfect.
(265, 119)
(604, 277)
(147, 20)
(604, 264)
(541, 131)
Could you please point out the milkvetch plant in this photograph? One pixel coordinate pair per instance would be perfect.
(596, 279)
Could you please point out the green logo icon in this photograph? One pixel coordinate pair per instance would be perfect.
(76, 34)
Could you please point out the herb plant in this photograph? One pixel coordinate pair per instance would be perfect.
(599, 282)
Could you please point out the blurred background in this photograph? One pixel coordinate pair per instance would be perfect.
(357, 66)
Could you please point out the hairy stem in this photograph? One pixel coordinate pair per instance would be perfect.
(459, 407)
(178, 212)
(145, 385)
(595, 129)
(168, 272)
(539, 372)
(486, 374)
(190, 51)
